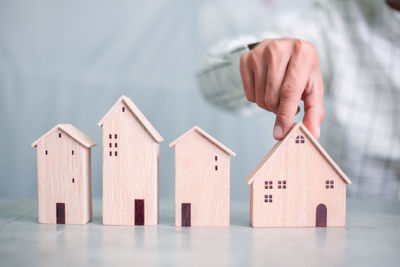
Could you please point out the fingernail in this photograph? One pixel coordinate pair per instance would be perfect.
(278, 132)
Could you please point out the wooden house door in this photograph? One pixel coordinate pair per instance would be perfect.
(186, 214)
(321, 214)
(60, 213)
(139, 211)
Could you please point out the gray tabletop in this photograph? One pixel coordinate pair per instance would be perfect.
(371, 237)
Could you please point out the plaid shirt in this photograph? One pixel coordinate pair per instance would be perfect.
(359, 48)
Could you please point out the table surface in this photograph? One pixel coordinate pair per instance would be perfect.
(371, 238)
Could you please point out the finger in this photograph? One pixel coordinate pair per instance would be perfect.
(292, 88)
(247, 77)
(259, 67)
(313, 98)
(277, 61)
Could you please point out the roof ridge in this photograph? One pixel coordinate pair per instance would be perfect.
(206, 135)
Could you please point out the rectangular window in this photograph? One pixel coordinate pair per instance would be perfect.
(72, 152)
(59, 135)
(282, 184)
(216, 167)
(110, 145)
(116, 153)
(115, 136)
(116, 145)
(329, 184)
(123, 109)
(268, 185)
(73, 180)
(110, 136)
(46, 152)
(268, 198)
(110, 154)
(216, 158)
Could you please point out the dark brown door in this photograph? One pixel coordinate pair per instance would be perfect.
(139, 211)
(186, 214)
(60, 213)
(320, 218)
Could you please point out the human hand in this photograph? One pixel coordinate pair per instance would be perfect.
(277, 74)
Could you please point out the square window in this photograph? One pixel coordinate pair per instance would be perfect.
(302, 141)
(270, 200)
(284, 182)
(279, 187)
(326, 182)
(270, 187)
(327, 186)
(331, 182)
(266, 187)
(297, 141)
(284, 187)
(270, 182)
(331, 186)
(279, 182)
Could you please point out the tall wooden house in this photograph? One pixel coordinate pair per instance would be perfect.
(202, 180)
(64, 176)
(130, 166)
(297, 184)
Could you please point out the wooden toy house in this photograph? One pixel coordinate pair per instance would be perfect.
(64, 176)
(202, 180)
(130, 166)
(297, 184)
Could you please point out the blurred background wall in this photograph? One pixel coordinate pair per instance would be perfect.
(69, 61)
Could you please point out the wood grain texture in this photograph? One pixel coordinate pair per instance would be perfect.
(130, 167)
(199, 183)
(61, 158)
(305, 170)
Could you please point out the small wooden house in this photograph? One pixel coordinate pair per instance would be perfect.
(130, 166)
(297, 184)
(202, 180)
(64, 176)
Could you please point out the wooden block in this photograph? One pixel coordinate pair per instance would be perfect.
(202, 180)
(64, 176)
(130, 166)
(297, 184)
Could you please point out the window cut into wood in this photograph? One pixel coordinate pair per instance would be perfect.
(115, 136)
(116, 145)
(72, 152)
(282, 184)
(59, 135)
(116, 153)
(300, 139)
(268, 198)
(123, 109)
(46, 152)
(110, 145)
(73, 180)
(329, 184)
(110, 154)
(216, 158)
(110, 136)
(216, 167)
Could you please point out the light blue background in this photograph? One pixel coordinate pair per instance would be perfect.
(69, 61)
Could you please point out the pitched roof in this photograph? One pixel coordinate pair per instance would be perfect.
(251, 178)
(70, 130)
(206, 135)
(138, 114)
